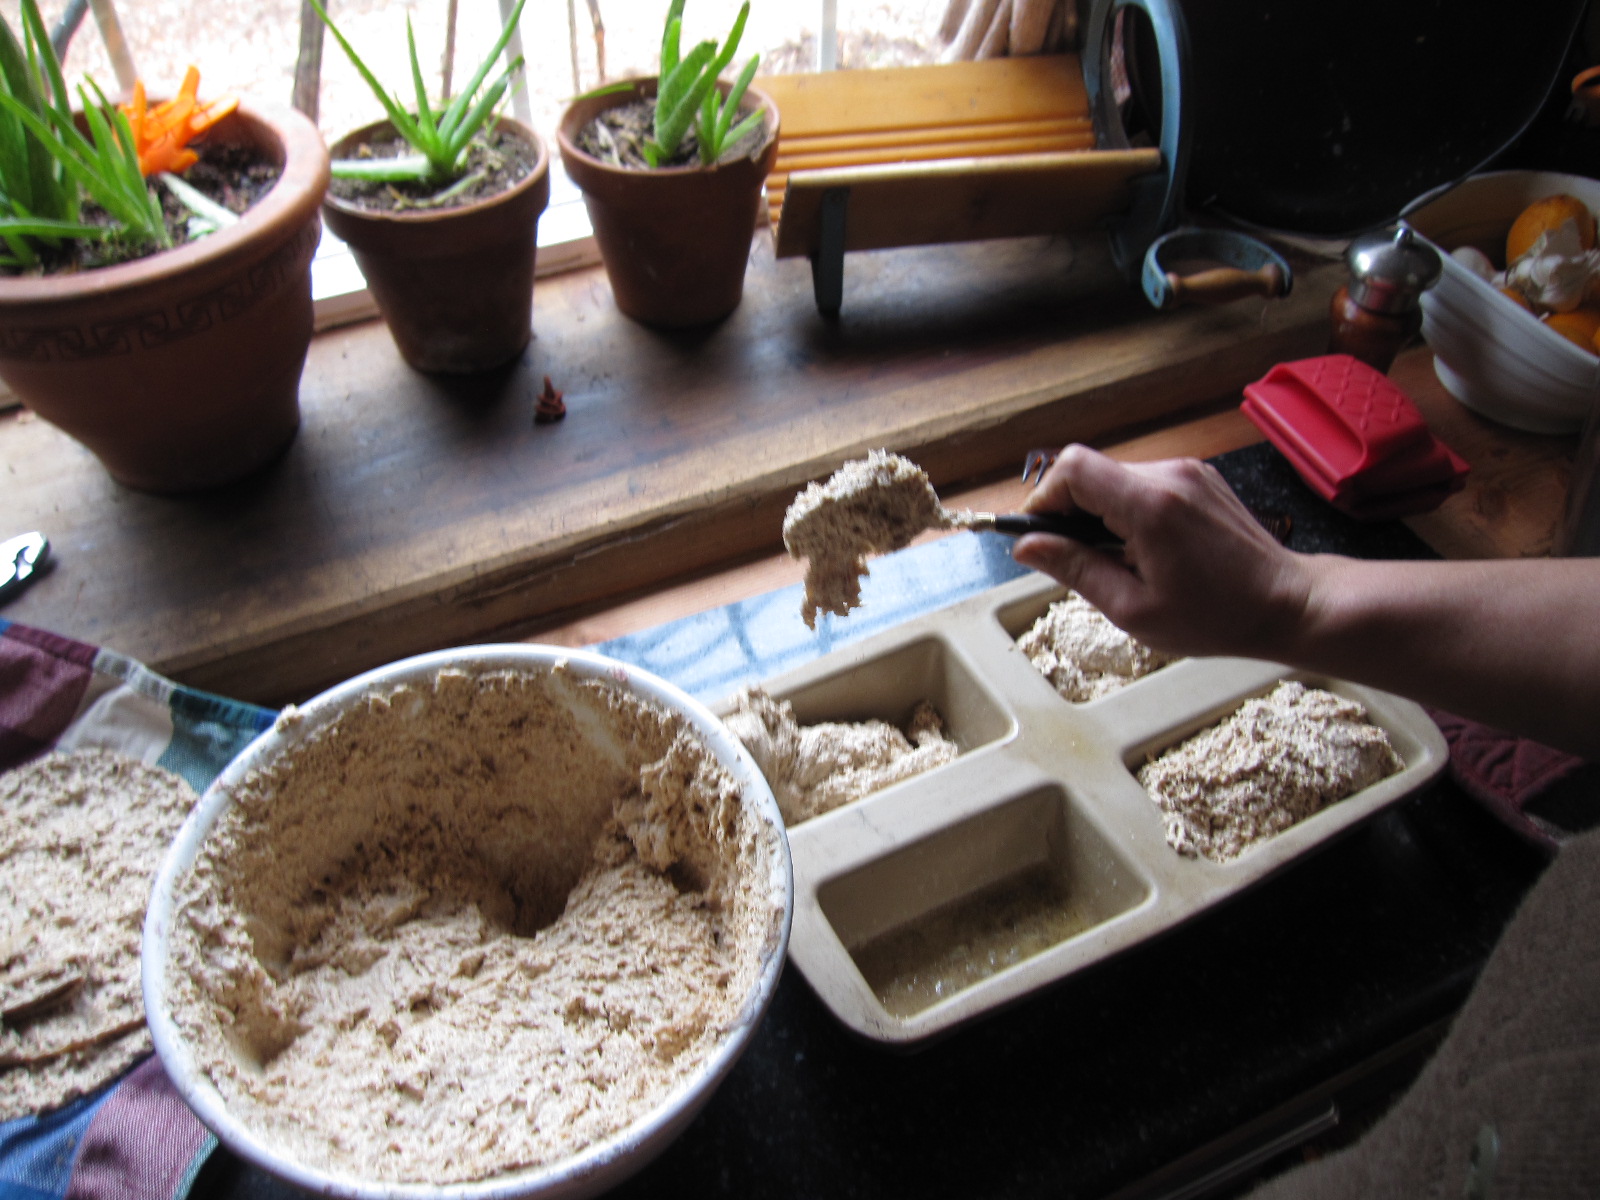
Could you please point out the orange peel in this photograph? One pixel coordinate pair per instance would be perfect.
(1581, 326)
(162, 133)
(1544, 216)
(1516, 297)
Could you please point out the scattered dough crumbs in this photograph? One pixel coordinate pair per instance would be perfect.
(870, 506)
(484, 924)
(1274, 762)
(82, 835)
(814, 769)
(1082, 654)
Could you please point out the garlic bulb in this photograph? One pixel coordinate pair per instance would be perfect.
(1475, 260)
(1556, 272)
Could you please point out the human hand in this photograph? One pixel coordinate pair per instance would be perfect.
(1197, 573)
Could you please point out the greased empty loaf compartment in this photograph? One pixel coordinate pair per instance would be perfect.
(943, 914)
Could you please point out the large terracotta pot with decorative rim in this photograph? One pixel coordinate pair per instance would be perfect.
(454, 285)
(675, 240)
(181, 370)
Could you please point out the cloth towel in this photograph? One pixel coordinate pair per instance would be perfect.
(1506, 773)
(134, 1139)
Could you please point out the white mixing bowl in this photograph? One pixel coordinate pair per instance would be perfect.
(170, 925)
(1491, 354)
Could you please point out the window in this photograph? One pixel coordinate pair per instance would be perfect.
(253, 48)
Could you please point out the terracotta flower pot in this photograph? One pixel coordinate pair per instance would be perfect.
(454, 285)
(674, 241)
(182, 370)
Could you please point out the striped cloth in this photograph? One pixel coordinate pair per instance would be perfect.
(135, 1139)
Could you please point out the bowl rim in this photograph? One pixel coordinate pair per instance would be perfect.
(603, 1163)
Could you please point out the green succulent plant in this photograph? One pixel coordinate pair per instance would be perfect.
(48, 167)
(687, 94)
(439, 139)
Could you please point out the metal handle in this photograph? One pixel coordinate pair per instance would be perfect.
(1222, 284)
(1243, 266)
(1078, 525)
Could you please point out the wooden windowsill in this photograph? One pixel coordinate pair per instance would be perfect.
(413, 512)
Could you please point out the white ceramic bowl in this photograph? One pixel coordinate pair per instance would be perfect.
(1492, 355)
(596, 1167)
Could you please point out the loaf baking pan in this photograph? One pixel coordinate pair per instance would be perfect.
(1035, 853)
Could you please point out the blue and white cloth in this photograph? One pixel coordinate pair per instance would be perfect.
(134, 1139)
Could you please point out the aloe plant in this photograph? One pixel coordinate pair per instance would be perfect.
(687, 94)
(48, 167)
(439, 139)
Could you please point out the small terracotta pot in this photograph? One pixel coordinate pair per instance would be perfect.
(454, 285)
(674, 241)
(182, 370)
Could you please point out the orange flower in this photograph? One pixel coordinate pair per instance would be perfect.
(161, 135)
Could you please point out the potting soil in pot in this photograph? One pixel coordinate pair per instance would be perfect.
(495, 163)
(617, 135)
(232, 176)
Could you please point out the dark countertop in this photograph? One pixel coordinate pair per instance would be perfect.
(1297, 1008)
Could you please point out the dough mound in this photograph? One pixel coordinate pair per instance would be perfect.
(814, 769)
(1082, 654)
(1271, 764)
(82, 834)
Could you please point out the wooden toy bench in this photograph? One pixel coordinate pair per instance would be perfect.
(907, 156)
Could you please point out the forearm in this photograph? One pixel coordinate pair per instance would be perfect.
(1512, 643)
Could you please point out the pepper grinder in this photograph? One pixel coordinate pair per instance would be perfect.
(1380, 309)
